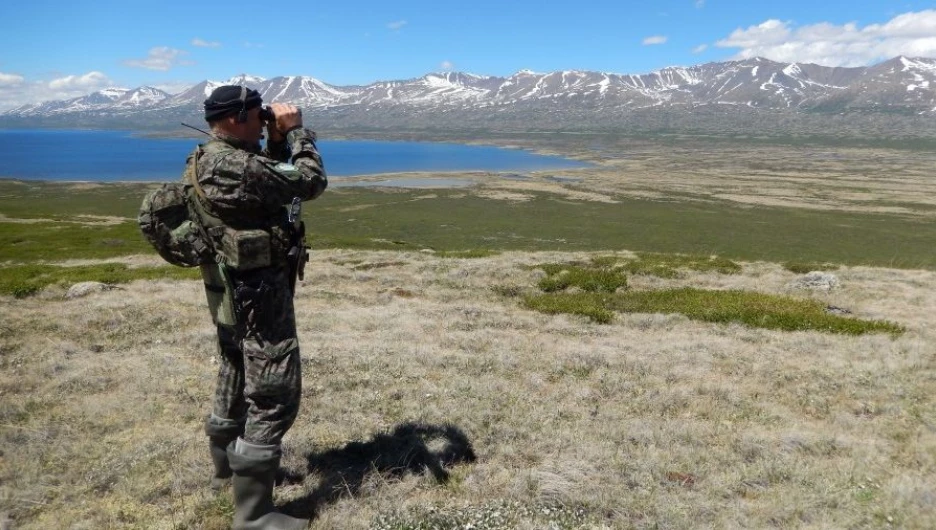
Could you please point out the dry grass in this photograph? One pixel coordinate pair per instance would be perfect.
(88, 220)
(781, 172)
(652, 421)
(746, 172)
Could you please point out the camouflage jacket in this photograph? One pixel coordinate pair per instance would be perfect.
(243, 187)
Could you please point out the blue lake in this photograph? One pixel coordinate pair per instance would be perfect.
(120, 156)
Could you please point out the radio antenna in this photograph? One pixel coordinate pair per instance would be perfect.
(196, 128)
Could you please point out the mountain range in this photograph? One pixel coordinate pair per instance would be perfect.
(896, 94)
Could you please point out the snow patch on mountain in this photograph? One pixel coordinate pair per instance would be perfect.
(755, 82)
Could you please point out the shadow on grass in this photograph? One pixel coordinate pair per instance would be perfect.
(409, 448)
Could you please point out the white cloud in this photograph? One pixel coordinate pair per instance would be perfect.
(909, 25)
(446, 65)
(911, 34)
(396, 26)
(700, 48)
(84, 83)
(656, 39)
(10, 79)
(17, 91)
(771, 32)
(12, 97)
(699, 4)
(205, 44)
(160, 58)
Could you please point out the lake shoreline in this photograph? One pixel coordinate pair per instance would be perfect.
(119, 156)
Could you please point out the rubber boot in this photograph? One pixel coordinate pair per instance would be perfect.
(221, 432)
(255, 468)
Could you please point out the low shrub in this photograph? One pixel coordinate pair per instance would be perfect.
(749, 308)
(591, 305)
(562, 276)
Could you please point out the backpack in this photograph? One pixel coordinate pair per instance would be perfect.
(169, 225)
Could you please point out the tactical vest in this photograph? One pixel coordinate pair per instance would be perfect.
(241, 240)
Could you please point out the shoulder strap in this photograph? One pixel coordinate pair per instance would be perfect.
(191, 173)
(200, 202)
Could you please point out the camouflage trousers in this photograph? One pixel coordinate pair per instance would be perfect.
(260, 377)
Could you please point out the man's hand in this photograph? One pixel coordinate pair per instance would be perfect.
(288, 117)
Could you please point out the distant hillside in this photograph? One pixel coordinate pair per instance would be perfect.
(894, 98)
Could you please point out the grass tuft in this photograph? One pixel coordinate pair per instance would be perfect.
(377, 265)
(561, 276)
(804, 267)
(669, 265)
(604, 276)
(469, 253)
(745, 307)
(595, 306)
(507, 291)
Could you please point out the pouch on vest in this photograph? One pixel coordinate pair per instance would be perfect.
(220, 292)
(242, 250)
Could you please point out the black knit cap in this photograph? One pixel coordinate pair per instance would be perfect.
(226, 101)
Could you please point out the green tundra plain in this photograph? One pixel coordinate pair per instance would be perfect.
(627, 345)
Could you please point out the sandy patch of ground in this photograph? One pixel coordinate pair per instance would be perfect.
(504, 195)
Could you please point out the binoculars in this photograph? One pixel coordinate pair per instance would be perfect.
(266, 114)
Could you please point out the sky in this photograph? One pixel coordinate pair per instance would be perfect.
(53, 49)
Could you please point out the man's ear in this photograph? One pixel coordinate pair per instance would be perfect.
(228, 123)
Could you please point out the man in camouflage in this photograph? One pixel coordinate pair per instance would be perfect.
(242, 197)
